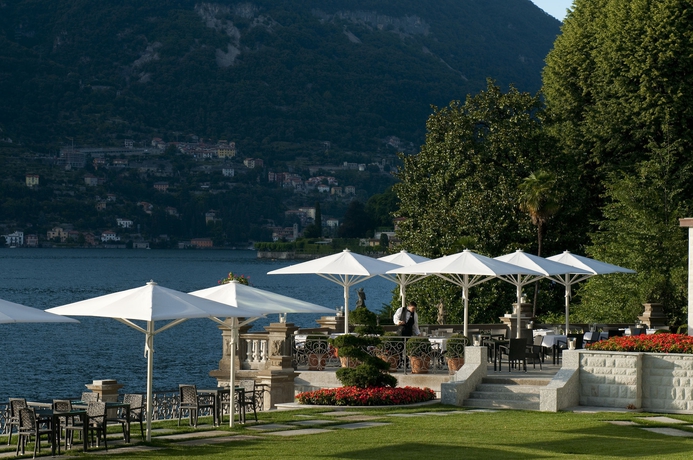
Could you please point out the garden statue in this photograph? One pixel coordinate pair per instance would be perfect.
(361, 302)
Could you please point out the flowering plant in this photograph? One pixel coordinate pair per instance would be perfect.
(233, 277)
(374, 396)
(655, 343)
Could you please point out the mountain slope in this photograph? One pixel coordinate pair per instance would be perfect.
(277, 77)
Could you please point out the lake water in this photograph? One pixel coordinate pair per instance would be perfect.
(47, 361)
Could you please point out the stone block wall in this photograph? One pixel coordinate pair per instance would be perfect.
(667, 382)
(651, 381)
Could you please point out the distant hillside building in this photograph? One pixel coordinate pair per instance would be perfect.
(58, 233)
(31, 241)
(91, 180)
(124, 223)
(161, 186)
(252, 163)
(32, 180)
(201, 243)
(109, 236)
(14, 239)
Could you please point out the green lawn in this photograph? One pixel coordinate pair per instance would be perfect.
(502, 434)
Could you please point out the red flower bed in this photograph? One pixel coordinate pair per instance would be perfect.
(655, 343)
(354, 396)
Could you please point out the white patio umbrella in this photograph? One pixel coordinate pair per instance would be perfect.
(150, 303)
(344, 268)
(594, 267)
(543, 266)
(404, 259)
(11, 312)
(465, 269)
(261, 303)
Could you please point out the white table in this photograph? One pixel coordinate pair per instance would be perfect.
(552, 339)
(544, 332)
(439, 342)
(588, 336)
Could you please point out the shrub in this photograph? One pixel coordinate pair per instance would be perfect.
(371, 372)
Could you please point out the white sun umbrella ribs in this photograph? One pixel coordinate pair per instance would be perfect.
(404, 259)
(345, 268)
(593, 267)
(150, 303)
(261, 303)
(542, 267)
(465, 269)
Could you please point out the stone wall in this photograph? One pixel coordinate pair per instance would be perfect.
(650, 381)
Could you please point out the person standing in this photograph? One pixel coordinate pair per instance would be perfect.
(407, 319)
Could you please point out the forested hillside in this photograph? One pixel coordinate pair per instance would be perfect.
(277, 77)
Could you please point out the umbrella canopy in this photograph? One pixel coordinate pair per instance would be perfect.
(593, 267)
(150, 303)
(11, 312)
(344, 268)
(544, 267)
(404, 259)
(261, 302)
(465, 269)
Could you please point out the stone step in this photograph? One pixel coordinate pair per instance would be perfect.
(529, 397)
(497, 388)
(501, 404)
(525, 381)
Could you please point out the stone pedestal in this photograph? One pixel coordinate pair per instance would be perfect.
(654, 316)
(525, 318)
(334, 323)
(106, 389)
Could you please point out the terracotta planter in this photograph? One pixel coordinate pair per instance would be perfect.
(420, 365)
(392, 360)
(316, 362)
(349, 362)
(455, 364)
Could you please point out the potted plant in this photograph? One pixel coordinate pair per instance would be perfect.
(390, 349)
(419, 352)
(316, 348)
(454, 352)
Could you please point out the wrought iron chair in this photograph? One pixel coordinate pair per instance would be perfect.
(534, 352)
(190, 400)
(28, 427)
(63, 405)
(13, 421)
(136, 411)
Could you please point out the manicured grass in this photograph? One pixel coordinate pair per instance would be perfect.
(502, 434)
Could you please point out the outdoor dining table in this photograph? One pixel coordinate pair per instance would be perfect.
(45, 414)
(220, 393)
(550, 340)
(441, 343)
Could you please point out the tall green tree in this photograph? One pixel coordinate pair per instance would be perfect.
(462, 190)
(640, 231)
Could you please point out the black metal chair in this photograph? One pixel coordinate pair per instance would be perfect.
(29, 427)
(63, 405)
(136, 402)
(15, 404)
(253, 399)
(534, 352)
(516, 351)
(193, 403)
(561, 345)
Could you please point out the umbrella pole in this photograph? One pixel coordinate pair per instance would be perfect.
(150, 371)
(567, 305)
(466, 306)
(346, 308)
(519, 311)
(232, 371)
(402, 294)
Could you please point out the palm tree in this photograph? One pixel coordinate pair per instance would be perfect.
(539, 199)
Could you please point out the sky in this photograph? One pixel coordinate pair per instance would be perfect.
(555, 8)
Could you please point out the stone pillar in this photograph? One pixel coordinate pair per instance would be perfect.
(334, 323)
(688, 222)
(654, 316)
(279, 376)
(525, 318)
(222, 374)
(106, 389)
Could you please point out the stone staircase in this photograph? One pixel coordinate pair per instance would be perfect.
(499, 392)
